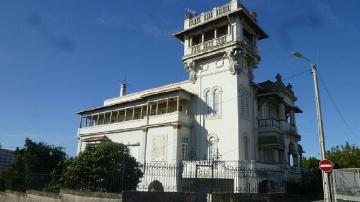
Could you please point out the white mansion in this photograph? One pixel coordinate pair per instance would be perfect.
(218, 114)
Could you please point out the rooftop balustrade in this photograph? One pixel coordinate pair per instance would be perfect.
(203, 17)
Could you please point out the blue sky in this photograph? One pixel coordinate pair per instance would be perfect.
(58, 57)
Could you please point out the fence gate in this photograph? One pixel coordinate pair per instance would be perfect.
(204, 176)
(346, 184)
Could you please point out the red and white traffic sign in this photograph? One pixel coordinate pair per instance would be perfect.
(326, 165)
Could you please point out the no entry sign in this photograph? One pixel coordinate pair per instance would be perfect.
(326, 165)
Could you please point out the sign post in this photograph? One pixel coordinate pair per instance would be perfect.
(326, 165)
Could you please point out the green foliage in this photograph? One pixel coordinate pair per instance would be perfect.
(105, 167)
(312, 179)
(344, 156)
(33, 165)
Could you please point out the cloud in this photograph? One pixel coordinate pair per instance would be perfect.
(328, 14)
(157, 31)
(310, 21)
(60, 42)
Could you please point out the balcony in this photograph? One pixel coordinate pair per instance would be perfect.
(209, 15)
(211, 44)
(267, 125)
(174, 117)
(163, 111)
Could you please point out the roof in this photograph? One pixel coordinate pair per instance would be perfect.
(139, 96)
(240, 11)
(275, 86)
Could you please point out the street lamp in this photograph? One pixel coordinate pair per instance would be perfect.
(325, 176)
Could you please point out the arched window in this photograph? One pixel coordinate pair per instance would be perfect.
(246, 146)
(208, 102)
(213, 99)
(245, 104)
(217, 102)
(213, 147)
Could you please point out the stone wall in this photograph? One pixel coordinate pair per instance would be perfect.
(63, 196)
(273, 197)
(77, 196)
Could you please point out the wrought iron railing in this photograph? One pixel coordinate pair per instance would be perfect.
(212, 176)
(265, 123)
(278, 124)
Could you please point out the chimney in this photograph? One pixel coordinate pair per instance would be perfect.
(123, 89)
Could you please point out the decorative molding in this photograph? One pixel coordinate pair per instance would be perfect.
(191, 67)
(234, 65)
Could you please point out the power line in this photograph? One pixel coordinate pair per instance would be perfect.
(296, 75)
(347, 125)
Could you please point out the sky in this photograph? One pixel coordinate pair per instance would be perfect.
(61, 56)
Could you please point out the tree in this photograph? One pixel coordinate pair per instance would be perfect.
(344, 156)
(105, 167)
(312, 179)
(34, 165)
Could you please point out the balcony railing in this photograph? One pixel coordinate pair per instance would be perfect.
(277, 124)
(266, 123)
(210, 14)
(208, 45)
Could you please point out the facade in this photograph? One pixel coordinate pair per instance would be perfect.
(7, 158)
(218, 115)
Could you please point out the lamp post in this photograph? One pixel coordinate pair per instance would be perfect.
(325, 176)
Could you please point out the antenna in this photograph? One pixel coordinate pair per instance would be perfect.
(189, 13)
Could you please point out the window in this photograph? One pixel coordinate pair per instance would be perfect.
(184, 148)
(213, 99)
(217, 102)
(208, 103)
(246, 146)
(222, 31)
(195, 40)
(114, 116)
(244, 104)
(101, 119)
(107, 117)
(209, 35)
(213, 153)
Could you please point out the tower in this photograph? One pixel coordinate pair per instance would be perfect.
(220, 53)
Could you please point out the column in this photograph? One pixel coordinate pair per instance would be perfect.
(141, 112)
(264, 110)
(292, 117)
(282, 115)
(133, 113)
(178, 103)
(167, 105)
(157, 107)
(117, 117)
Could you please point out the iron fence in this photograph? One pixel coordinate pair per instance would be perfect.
(201, 177)
(210, 176)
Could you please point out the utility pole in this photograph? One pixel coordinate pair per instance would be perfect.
(325, 176)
